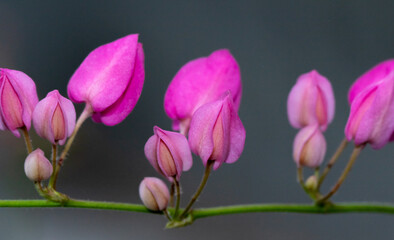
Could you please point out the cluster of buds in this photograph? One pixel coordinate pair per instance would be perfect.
(203, 101)
(109, 81)
(311, 107)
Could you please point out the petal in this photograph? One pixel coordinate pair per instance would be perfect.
(69, 113)
(104, 74)
(373, 75)
(201, 81)
(300, 140)
(201, 129)
(42, 116)
(151, 152)
(117, 112)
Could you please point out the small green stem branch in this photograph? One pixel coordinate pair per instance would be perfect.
(52, 181)
(209, 212)
(27, 139)
(178, 198)
(356, 152)
(332, 161)
(200, 188)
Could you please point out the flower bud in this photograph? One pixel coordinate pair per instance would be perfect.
(169, 153)
(201, 81)
(37, 166)
(18, 97)
(311, 183)
(154, 194)
(110, 80)
(54, 118)
(216, 132)
(309, 147)
(372, 108)
(311, 100)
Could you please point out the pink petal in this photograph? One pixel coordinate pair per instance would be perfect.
(373, 75)
(119, 110)
(105, 73)
(151, 152)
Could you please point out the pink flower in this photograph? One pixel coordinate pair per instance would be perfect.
(154, 194)
(309, 147)
(311, 100)
(372, 76)
(37, 166)
(201, 81)
(18, 97)
(216, 132)
(169, 153)
(110, 80)
(371, 117)
(54, 118)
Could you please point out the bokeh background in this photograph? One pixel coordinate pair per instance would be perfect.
(273, 41)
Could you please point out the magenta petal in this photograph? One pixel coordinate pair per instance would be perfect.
(126, 103)
(70, 115)
(372, 76)
(237, 139)
(42, 117)
(105, 73)
(151, 152)
(201, 81)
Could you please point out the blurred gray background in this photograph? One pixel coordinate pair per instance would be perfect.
(273, 42)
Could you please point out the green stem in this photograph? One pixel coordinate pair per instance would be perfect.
(352, 160)
(332, 161)
(387, 208)
(27, 139)
(178, 198)
(52, 181)
(200, 188)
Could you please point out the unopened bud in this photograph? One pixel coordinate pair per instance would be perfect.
(154, 194)
(311, 183)
(37, 166)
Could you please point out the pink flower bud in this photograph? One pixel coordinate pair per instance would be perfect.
(372, 108)
(18, 97)
(154, 194)
(169, 153)
(309, 147)
(54, 118)
(110, 80)
(216, 132)
(37, 166)
(201, 81)
(311, 100)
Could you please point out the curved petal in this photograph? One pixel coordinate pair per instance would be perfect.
(42, 116)
(373, 75)
(150, 150)
(201, 81)
(117, 112)
(104, 74)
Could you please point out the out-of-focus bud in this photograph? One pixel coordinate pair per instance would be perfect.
(201, 81)
(216, 132)
(311, 101)
(37, 166)
(154, 194)
(311, 183)
(371, 77)
(309, 147)
(18, 97)
(110, 80)
(169, 153)
(54, 118)
(372, 108)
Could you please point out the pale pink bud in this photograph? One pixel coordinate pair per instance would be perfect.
(54, 118)
(311, 100)
(110, 80)
(18, 97)
(37, 166)
(201, 81)
(216, 132)
(169, 153)
(309, 147)
(372, 107)
(154, 194)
